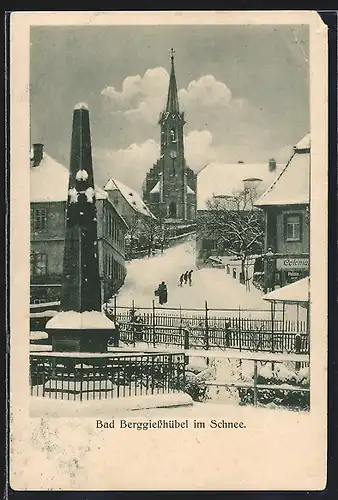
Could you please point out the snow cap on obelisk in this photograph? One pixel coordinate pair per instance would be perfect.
(81, 281)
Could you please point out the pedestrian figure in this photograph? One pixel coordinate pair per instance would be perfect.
(190, 276)
(181, 279)
(186, 277)
(162, 293)
(165, 293)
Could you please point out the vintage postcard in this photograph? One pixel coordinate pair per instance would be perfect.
(168, 280)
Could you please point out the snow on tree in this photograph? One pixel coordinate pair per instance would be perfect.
(234, 223)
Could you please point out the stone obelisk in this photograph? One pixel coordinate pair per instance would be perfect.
(80, 325)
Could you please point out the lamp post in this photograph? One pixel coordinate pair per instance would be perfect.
(269, 270)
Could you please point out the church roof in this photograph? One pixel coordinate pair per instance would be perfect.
(172, 100)
(132, 197)
(292, 186)
(156, 188)
(223, 179)
(49, 182)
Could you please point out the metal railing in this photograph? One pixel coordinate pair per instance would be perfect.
(198, 337)
(274, 389)
(81, 376)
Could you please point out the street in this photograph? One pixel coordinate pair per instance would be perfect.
(215, 286)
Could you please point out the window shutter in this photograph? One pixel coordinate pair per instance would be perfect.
(285, 221)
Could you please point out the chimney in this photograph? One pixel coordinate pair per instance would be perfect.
(36, 154)
(272, 165)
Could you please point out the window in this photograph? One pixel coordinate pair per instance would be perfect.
(292, 225)
(38, 264)
(39, 219)
(110, 225)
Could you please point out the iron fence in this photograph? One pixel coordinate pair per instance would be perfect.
(195, 332)
(85, 377)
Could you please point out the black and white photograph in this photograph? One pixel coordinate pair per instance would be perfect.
(173, 181)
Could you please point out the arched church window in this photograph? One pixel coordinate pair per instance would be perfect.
(173, 135)
(155, 197)
(172, 210)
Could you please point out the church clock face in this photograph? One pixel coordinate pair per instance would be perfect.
(173, 154)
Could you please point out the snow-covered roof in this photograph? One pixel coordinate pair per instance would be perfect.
(77, 320)
(49, 182)
(293, 293)
(38, 335)
(304, 143)
(156, 188)
(292, 186)
(222, 179)
(131, 196)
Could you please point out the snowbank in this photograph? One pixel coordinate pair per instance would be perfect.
(45, 407)
(85, 320)
(214, 285)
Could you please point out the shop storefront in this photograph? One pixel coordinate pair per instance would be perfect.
(291, 269)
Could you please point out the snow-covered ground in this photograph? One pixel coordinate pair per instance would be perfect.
(215, 286)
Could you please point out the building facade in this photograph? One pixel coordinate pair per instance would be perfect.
(48, 197)
(169, 189)
(142, 223)
(235, 187)
(286, 205)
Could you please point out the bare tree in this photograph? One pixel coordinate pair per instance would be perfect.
(134, 225)
(234, 222)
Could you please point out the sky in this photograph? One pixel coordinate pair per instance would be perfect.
(244, 91)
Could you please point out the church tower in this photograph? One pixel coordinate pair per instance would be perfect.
(169, 189)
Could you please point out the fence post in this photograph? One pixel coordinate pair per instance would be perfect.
(255, 382)
(133, 321)
(186, 343)
(186, 338)
(206, 329)
(115, 308)
(272, 333)
(154, 324)
(239, 329)
(272, 328)
(308, 327)
(180, 327)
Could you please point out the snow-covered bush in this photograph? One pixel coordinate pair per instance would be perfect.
(279, 376)
(192, 385)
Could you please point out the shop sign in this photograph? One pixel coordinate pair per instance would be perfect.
(289, 263)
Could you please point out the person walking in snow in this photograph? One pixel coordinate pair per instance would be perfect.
(186, 277)
(165, 293)
(181, 279)
(190, 276)
(162, 293)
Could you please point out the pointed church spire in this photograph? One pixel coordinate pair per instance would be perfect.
(172, 101)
